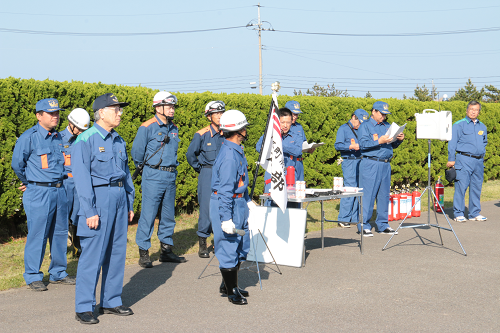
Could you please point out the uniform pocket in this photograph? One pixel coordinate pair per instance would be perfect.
(83, 228)
(210, 152)
(44, 154)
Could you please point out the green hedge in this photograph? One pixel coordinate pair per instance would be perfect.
(321, 118)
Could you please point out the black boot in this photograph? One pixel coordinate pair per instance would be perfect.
(144, 260)
(75, 241)
(222, 288)
(230, 276)
(167, 255)
(203, 252)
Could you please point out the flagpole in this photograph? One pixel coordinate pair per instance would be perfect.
(275, 87)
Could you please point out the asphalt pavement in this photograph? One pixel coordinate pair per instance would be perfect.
(414, 285)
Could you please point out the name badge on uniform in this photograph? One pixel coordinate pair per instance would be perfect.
(66, 146)
(480, 132)
(209, 144)
(353, 142)
(101, 149)
(160, 133)
(375, 137)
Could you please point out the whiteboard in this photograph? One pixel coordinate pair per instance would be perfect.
(283, 233)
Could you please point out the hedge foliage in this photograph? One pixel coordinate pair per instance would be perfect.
(321, 118)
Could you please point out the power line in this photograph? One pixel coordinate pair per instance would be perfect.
(413, 79)
(124, 15)
(111, 34)
(405, 34)
(381, 12)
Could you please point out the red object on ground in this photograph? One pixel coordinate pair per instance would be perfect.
(416, 209)
(439, 190)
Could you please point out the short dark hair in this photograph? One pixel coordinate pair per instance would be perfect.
(472, 103)
(227, 135)
(284, 112)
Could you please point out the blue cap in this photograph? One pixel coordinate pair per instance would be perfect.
(106, 100)
(293, 106)
(383, 107)
(48, 105)
(362, 115)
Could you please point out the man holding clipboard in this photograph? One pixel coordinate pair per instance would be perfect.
(375, 167)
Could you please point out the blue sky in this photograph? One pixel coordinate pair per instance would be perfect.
(227, 60)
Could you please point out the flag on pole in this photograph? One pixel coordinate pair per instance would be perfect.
(272, 158)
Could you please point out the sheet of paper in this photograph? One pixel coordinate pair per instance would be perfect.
(307, 146)
(394, 130)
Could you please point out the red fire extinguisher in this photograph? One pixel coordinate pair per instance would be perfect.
(390, 205)
(408, 201)
(290, 177)
(439, 190)
(396, 201)
(416, 199)
(402, 203)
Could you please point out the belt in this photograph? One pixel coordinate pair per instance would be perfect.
(161, 168)
(296, 158)
(45, 184)
(113, 184)
(473, 156)
(239, 195)
(207, 166)
(378, 159)
(352, 158)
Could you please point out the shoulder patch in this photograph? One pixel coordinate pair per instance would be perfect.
(87, 134)
(149, 122)
(204, 130)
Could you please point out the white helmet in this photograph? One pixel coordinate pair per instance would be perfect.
(80, 118)
(164, 98)
(215, 106)
(232, 121)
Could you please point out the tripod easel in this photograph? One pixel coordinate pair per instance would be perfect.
(428, 188)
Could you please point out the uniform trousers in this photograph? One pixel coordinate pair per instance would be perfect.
(104, 247)
(204, 192)
(158, 198)
(348, 211)
(375, 179)
(47, 216)
(470, 173)
(230, 249)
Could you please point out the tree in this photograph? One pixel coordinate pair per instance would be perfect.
(368, 95)
(422, 94)
(492, 95)
(328, 91)
(468, 93)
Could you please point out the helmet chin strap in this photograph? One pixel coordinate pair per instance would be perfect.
(244, 137)
(164, 115)
(72, 129)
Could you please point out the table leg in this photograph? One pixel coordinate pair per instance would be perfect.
(322, 223)
(360, 207)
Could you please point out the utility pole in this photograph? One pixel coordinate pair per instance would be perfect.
(259, 27)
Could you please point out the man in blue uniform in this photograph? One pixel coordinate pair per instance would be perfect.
(106, 192)
(201, 155)
(292, 148)
(300, 136)
(375, 168)
(347, 143)
(38, 162)
(78, 121)
(230, 203)
(155, 147)
(468, 141)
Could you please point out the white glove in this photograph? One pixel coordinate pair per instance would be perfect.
(228, 227)
(251, 205)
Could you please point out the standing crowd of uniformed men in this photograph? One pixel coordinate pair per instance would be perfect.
(81, 174)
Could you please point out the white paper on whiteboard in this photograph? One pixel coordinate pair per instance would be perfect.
(283, 232)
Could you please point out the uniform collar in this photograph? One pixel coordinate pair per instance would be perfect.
(289, 133)
(103, 132)
(213, 131)
(234, 146)
(374, 122)
(44, 132)
(470, 120)
(159, 121)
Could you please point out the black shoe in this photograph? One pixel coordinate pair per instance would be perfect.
(230, 276)
(223, 291)
(119, 311)
(37, 286)
(366, 233)
(389, 231)
(344, 225)
(86, 318)
(71, 280)
(203, 252)
(167, 255)
(144, 260)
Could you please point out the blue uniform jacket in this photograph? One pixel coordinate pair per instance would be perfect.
(369, 133)
(38, 156)
(150, 136)
(298, 131)
(345, 138)
(229, 177)
(68, 140)
(292, 147)
(204, 147)
(467, 137)
(99, 158)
